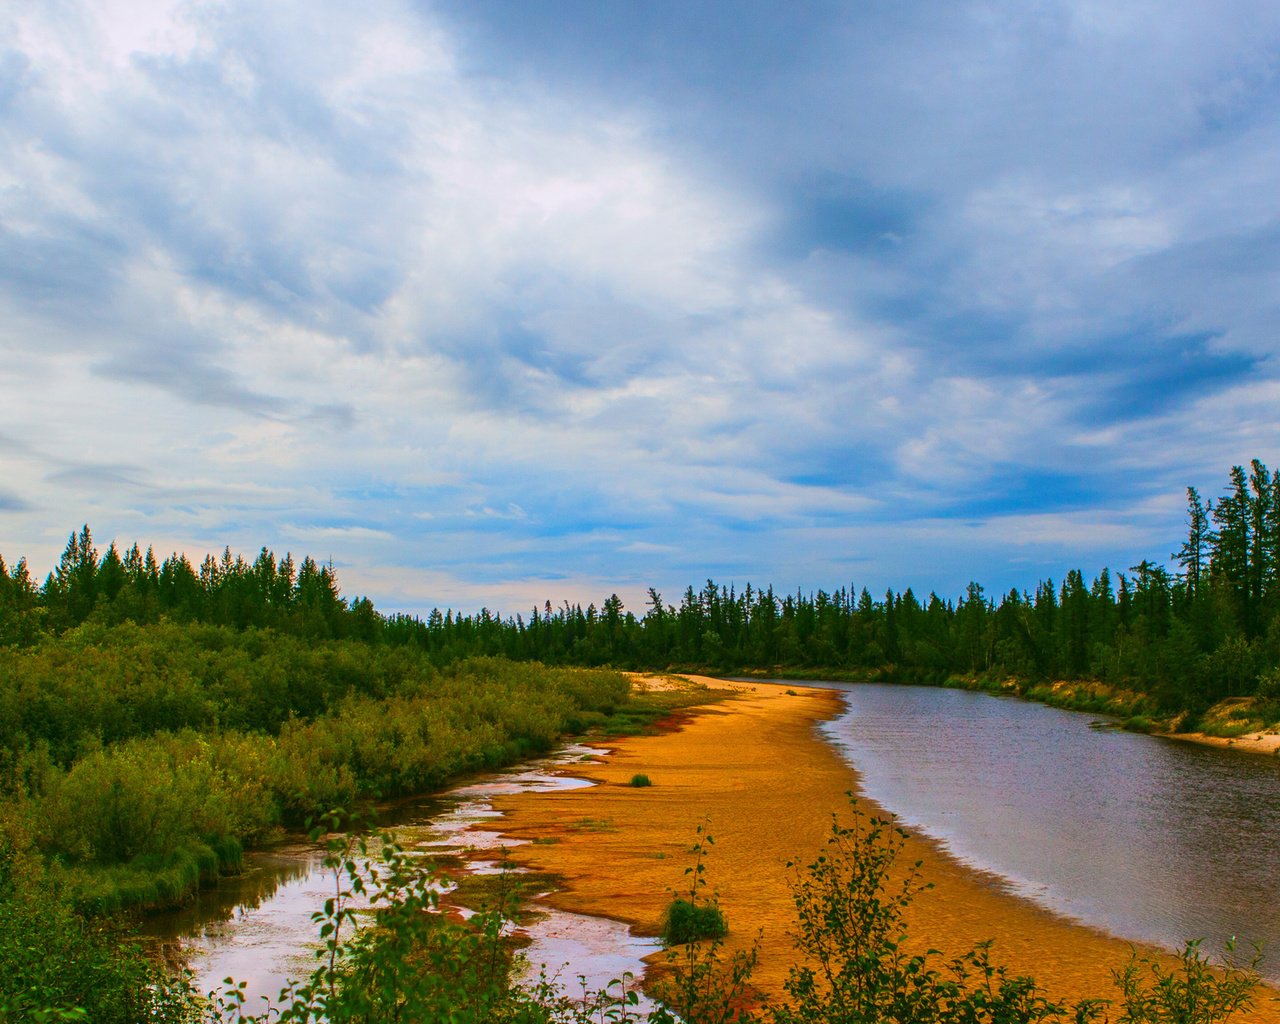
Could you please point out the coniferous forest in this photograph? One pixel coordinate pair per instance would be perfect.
(1185, 628)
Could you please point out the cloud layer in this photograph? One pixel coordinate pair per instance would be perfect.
(498, 302)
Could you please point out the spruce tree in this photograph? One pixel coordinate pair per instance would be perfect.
(1194, 554)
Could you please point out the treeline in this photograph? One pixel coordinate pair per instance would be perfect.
(138, 760)
(1208, 629)
(155, 717)
(301, 599)
(1191, 629)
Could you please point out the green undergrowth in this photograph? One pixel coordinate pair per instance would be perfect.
(144, 822)
(145, 819)
(1096, 698)
(385, 955)
(592, 825)
(1237, 716)
(151, 880)
(645, 709)
(57, 966)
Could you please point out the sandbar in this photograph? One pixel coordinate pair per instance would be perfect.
(753, 770)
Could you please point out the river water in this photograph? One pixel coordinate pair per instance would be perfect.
(1150, 839)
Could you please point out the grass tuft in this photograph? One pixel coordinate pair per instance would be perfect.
(593, 825)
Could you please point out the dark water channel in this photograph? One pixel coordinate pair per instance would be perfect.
(1152, 840)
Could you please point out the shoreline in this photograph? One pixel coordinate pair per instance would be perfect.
(756, 772)
(1266, 744)
(1264, 741)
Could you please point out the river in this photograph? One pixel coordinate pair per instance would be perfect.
(1150, 839)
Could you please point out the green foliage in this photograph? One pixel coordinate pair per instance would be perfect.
(412, 963)
(154, 717)
(1269, 685)
(55, 967)
(640, 780)
(1192, 993)
(143, 758)
(689, 921)
(859, 966)
(1184, 641)
(703, 984)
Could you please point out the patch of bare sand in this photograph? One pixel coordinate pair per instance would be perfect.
(1250, 743)
(650, 683)
(768, 784)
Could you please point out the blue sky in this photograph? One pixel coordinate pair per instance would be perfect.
(493, 302)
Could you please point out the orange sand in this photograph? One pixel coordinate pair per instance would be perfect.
(768, 784)
(1250, 743)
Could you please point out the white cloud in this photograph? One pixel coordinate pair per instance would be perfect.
(268, 269)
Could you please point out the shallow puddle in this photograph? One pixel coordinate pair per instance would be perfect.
(583, 955)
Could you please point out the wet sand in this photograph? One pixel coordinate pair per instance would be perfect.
(754, 770)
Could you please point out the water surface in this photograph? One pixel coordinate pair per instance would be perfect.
(1149, 839)
(258, 927)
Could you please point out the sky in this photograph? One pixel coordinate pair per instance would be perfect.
(495, 302)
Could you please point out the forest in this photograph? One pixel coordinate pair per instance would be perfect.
(1185, 630)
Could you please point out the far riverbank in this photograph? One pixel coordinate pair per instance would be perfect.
(1245, 724)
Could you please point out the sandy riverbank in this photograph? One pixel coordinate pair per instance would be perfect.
(1267, 743)
(755, 767)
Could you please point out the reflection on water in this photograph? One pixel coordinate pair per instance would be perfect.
(264, 873)
(586, 954)
(257, 927)
(1150, 839)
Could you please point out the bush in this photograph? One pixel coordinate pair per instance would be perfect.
(640, 780)
(1192, 993)
(56, 967)
(850, 936)
(411, 963)
(687, 921)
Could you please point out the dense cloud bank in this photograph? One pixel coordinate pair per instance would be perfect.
(491, 300)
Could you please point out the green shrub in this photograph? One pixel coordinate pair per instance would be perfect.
(687, 921)
(1193, 992)
(853, 961)
(853, 964)
(639, 780)
(56, 967)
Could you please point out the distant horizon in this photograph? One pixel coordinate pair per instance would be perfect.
(493, 302)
